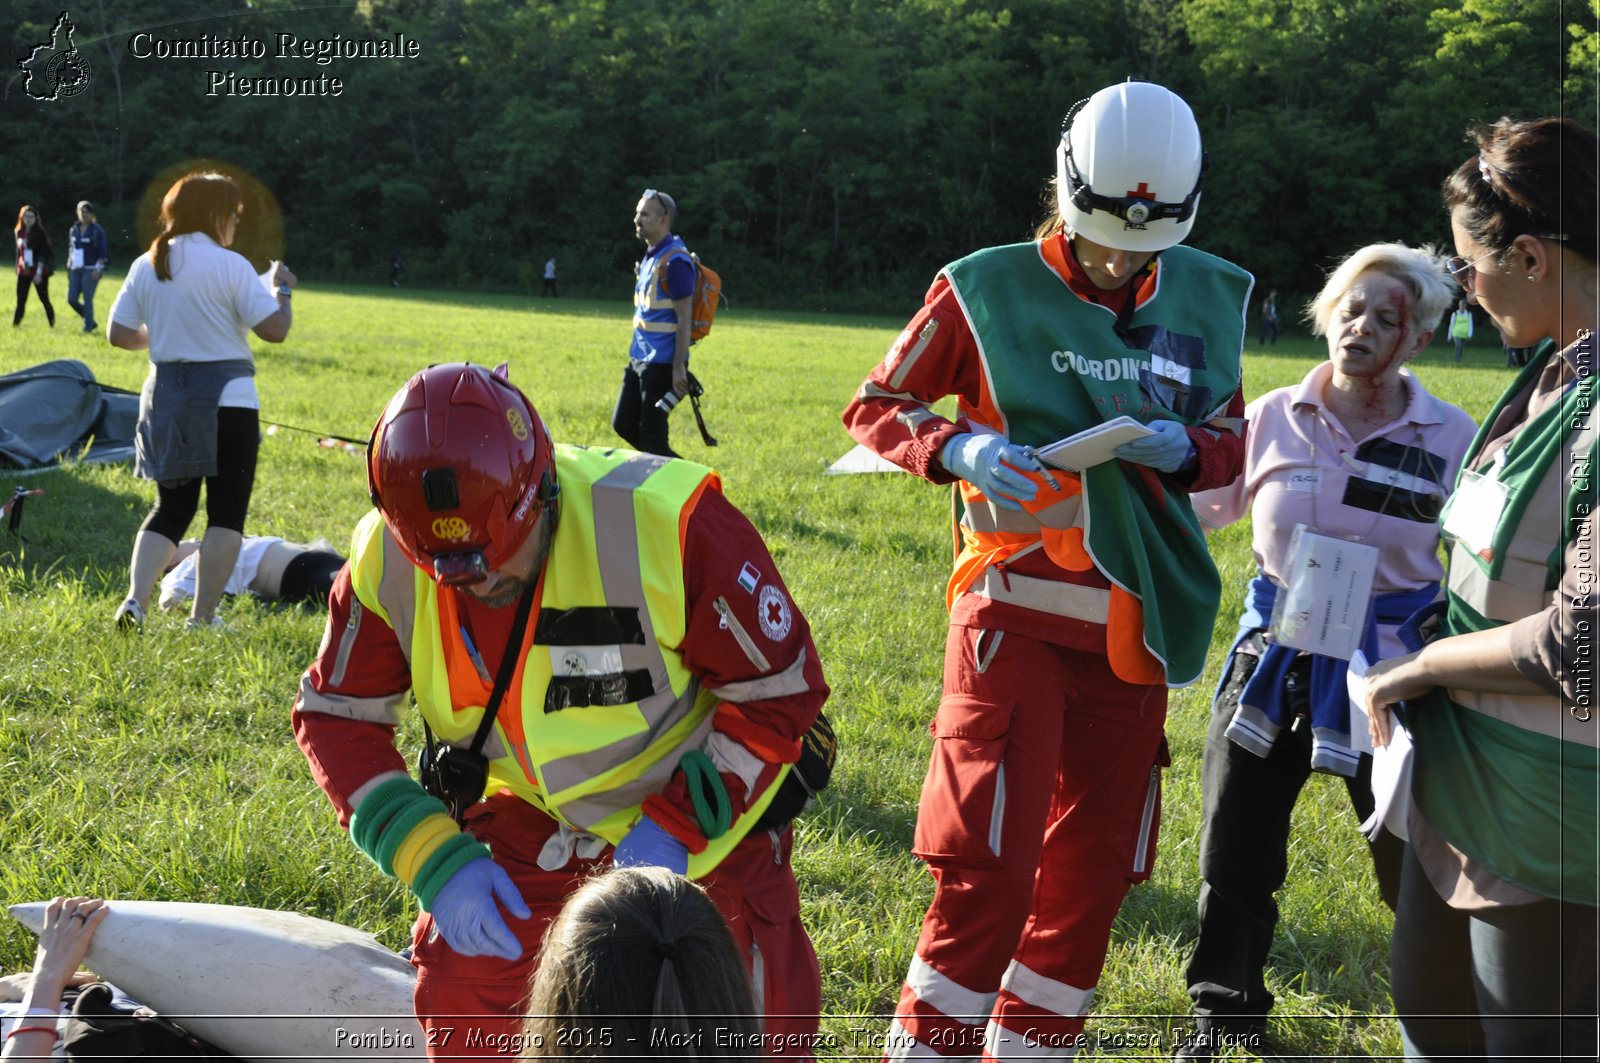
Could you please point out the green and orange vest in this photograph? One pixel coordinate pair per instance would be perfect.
(1056, 364)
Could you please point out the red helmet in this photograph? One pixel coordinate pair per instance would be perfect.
(461, 467)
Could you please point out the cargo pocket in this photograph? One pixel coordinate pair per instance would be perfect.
(962, 810)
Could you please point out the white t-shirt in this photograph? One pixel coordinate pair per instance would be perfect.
(179, 584)
(203, 313)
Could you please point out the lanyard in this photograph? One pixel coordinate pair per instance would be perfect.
(502, 679)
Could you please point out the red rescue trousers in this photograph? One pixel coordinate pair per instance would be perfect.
(1040, 809)
(472, 1006)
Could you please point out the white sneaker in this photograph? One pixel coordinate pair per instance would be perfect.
(214, 624)
(129, 616)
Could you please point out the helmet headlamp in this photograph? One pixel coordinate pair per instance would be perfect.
(460, 569)
(1135, 207)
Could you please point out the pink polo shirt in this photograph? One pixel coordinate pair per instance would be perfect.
(1302, 467)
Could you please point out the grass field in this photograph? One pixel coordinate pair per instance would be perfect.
(163, 767)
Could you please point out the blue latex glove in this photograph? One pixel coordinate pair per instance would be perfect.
(467, 916)
(990, 464)
(647, 845)
(1167, 450)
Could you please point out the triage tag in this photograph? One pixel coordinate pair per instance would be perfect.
(75, 258)
(1473, 513)
(1324, 607)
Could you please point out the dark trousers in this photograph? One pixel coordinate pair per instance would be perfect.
(1244, 859)
(1508, 983)
(550, 288)
(24, 281)
(636, 418)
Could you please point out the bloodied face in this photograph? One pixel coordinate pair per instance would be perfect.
(1373, 332)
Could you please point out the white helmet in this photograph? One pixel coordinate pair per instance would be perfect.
(1129, 167)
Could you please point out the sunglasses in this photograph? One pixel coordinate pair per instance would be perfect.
(666, 201)
(1463, 272)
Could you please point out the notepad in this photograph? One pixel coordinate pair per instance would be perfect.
(1092, 445)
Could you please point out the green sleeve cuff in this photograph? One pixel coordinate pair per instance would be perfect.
(399, 803)
(399, 828)
(449, 858)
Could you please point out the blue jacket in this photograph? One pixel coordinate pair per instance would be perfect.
(1263, 711)
(91, 241)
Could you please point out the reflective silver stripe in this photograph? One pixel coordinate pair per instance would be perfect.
(742, 637)
(385, 710)
(897, 379)
(1058, 998)
(997, 813)
(947, 996)
(1092, 604)
(758, 976)
(590, 809)
(915, 417)
(1147, 820)
(983, 516)
(397, 592)
(1537, 713)
(617, 553)
(655, 326)
(729, 755)
(869, 390)
(347, 641)
(791, 680)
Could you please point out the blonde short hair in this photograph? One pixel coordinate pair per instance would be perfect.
(1420, 269)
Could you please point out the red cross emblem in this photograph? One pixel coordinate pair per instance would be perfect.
(774, 612)
(1142, 192)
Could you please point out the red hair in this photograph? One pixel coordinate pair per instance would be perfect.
(196, 203)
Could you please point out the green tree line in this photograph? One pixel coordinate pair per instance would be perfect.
(828, 153)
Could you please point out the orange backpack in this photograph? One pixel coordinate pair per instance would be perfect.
(708, 296)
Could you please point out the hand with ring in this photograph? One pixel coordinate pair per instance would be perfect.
(69, 927)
